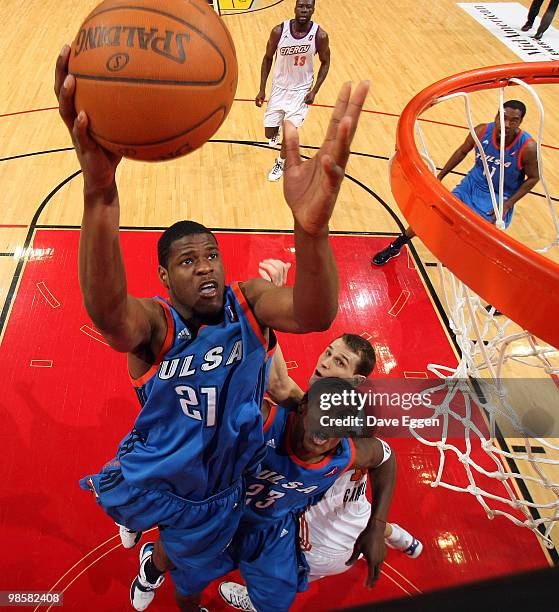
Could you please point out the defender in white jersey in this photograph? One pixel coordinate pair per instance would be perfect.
(293, 43)
(329, 529)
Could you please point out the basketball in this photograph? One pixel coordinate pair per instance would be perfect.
(156, 78)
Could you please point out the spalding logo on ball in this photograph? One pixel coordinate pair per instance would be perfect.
(156, 78)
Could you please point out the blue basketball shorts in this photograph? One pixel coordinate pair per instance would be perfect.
(194, 533)
(478, 200)
(271, 562)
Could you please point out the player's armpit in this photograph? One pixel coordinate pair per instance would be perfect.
(273, 41)
(141, 329)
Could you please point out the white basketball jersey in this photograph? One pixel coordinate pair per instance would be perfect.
(334, 523)
(294, 67)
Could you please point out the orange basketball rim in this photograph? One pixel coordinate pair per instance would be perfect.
(521, 283)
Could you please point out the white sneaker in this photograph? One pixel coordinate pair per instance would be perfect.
(405, 543)
(414, 549)
(274, 141)
(236, 595)
(277, 171)
(128, 537)
(141, 590)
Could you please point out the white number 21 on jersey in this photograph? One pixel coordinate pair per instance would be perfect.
(193, 406)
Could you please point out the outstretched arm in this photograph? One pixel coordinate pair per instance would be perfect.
(370, 543)
(126, 322)
(311, 189)
(460, 153)
(323, 48)
(281, 387)
(267, 61)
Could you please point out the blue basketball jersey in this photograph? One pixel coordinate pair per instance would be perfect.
(514, 169)
(286, 484)
(200, 426)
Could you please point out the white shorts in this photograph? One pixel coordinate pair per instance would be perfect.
(286, 104)
(322, 564)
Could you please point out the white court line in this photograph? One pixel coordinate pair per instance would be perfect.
(402, 300)
(41, 363)
(85, 557)
(93, 333)
(85, 570)
(411, 265)
(402, 576)
(49, 297)
(393, 580)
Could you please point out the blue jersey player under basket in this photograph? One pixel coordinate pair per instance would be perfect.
(520, 176)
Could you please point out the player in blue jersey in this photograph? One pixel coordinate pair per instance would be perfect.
(300, 466)
(521, 172)
(304, 459)
(197, 360)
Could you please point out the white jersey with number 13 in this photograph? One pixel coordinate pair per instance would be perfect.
(294, 67)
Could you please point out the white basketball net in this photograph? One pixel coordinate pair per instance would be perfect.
(486, 347)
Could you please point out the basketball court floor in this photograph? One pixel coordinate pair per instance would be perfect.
(65, 400)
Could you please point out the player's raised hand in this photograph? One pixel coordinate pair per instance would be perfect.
(98, 164)
(274, 270)
(370, 543)
(311, 187)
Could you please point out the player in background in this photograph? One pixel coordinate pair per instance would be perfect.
(521, 172)
(293, 43)
(198, 361)
(546, 19)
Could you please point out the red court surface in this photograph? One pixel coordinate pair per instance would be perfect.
(66, 403)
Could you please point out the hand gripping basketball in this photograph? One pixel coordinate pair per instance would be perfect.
(311, 187)
(98, 164)
(156, 78)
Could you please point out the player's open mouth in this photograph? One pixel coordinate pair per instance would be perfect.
(319, 439)
(208, 289)
(317, 373)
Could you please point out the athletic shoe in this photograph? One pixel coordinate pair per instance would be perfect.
(274, 141)
(527, 26)
(128, 537)
(538, 36)
(406, 543)
(386, 254)
(141, 590)
(236, 595)
(414, 549)
(276, 172)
